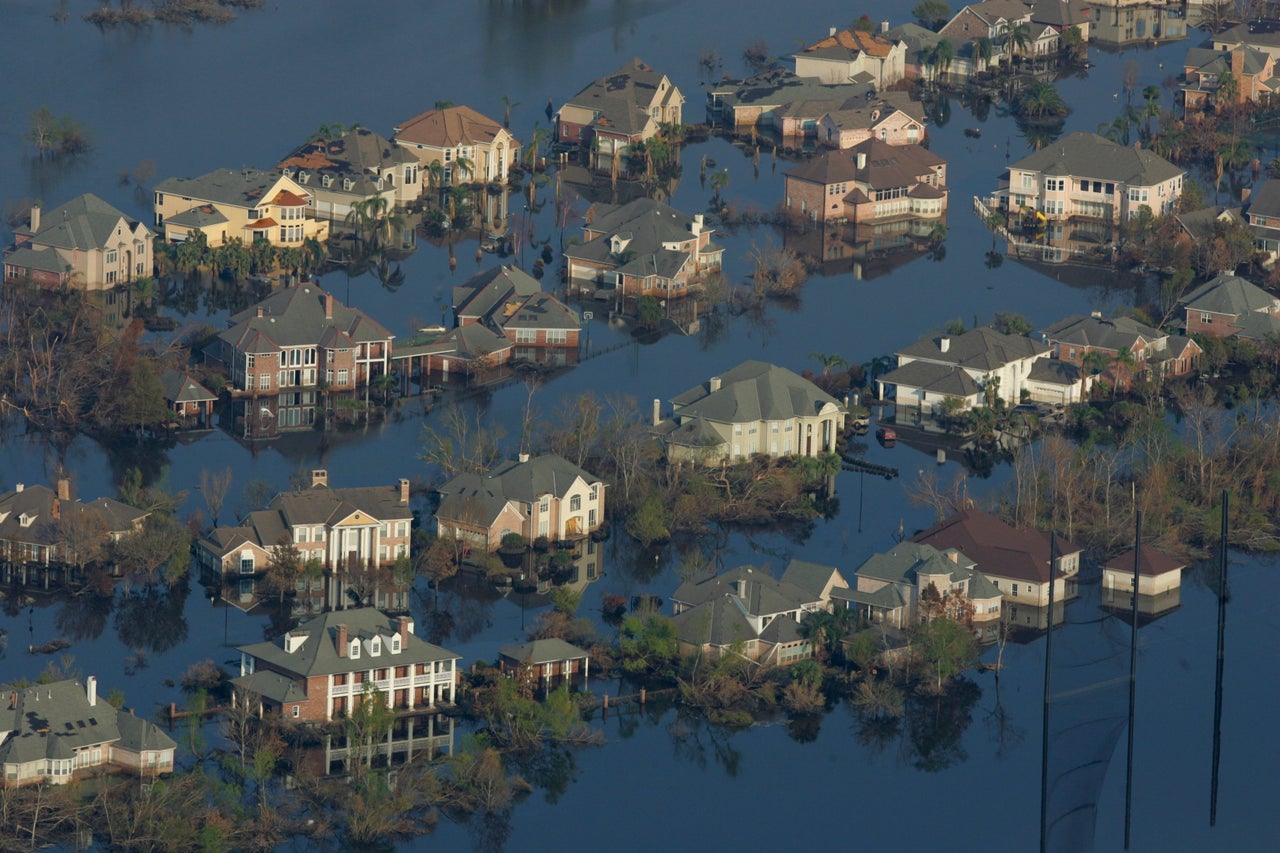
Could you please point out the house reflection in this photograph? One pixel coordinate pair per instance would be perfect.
(411, 737)
(1119, 602)
(866, 250)
(1025, 623)
(1119, 24)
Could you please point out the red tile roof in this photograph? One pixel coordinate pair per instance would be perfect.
(996, 547)
(284, 198)
(264, 223)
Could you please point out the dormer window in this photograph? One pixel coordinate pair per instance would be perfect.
(347, 184)
(288, 173)
(303, 177)
(327, 180)
(25, 519)
(395, 645)
(354, 651)
(375, 647)
(381, 183)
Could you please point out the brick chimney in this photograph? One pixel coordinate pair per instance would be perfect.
(56, 509)
(64, 488)
(91, 690)
(260, 311)
(319, 477)
(342, 641)
(404, 490)
(328, 306)
(1237, 65)
(405, 628)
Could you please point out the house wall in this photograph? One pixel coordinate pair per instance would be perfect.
(813, 201)
(168, 205)
(1081, 196)
(540, 337)
(800, 436)
(1211, 323)
(492, 160)
(1147, 584)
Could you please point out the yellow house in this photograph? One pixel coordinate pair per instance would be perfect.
(466, 145)
(250, 205)
(85, 243)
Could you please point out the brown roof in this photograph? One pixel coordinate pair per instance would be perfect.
(997, 548)
(1151, 563)
(448, 127)
(868, 43)
(264, 223)
(284, 198)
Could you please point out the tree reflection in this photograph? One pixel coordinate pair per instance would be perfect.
(150, 618)
(551, 770)
(804, 728)
(935, 726)
(84, 617)
(694, 740)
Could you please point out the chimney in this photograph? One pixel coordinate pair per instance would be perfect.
(1246, 194)
(56, 509)
(523, 458)
(405, 628)
(714, 384)
(698, 223)
(831, 32)
(740, 585)
(404, 490)
(19, 487)
(35, 218)
(884, 26)
(328, 306)
(342, 641)
(64, 488)
(319, 477)
(862, 160)
(260, 311)
(944, 344)
(657, 411)
(91, 690)
(1237, 63)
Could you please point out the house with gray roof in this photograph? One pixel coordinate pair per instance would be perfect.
(540, 496)
(893, 586)
(545, 659)
(84, 243)
(355, 168)
(1252, 72)
(974, 367)
(614, 112)
(1086, 176)
(295, 342)
(1263, 216)
(47, 526)
(642, 248)
(343, 530)
(748, 611)
(872, 181)
(1229, 306)
(246, 205)
(189, 401)
(512, 304)
(753, 408)
(755, 100)
(1121, 339)
(325, 667)
(53, 733)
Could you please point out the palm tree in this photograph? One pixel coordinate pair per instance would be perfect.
(1124, 365)
(828, 361)
(1020, 38)
(144, 291)
(463, 168)
(357, 219)
(1041, 100)
(508, 105)
(718, 181)
(943, 54)
(533, 150)
(314, 254)
(1231, 155)
(1151, 95)
(982, 52)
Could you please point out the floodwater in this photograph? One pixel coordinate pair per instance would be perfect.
(246, 93)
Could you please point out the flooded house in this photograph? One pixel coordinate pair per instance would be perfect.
(1228, 306)
(870, 182)
(355, 168)
(458, 144)
(617, 111)
(49, 527)
(245, 205)
(85, 244)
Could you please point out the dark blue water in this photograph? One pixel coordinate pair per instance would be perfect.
(247, 93)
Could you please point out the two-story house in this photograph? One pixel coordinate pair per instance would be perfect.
(614, 112)
(1127, 349)
(53, 733)
(85, 243)
(641, 248)
(347, 528)
(542, 496)
(327, 666)
(870, 182)
(976, 368)
(892, 118)
(247, 205)
(1231, 307)
(778, 98)
(296, 343)
(49, 526)
(458, 145)
(1252, 72)
(994, 20)
(1016, 560)
(754, 408)
(1263, 217)
(891, 587)
(1086, 176)
(510, 302)
(353, 169)
(853, 56)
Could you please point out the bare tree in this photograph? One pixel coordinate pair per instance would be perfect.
(462, 444)
(214, 488)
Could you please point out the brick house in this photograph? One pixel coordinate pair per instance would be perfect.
(543, 496)
(53, 733)
(85, 243)
(458, 134)
(189, 402)
(1153, 351)
(248, 205)
(872, 181)
(511, 303)
(1252, 70)
(296, 342)
(889, 587)
(322, 669)
(892, 119)
(1231, 307)
(612, 113)
(642, 248)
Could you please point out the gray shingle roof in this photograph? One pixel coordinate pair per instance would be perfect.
(542, 311)
(478, 498)
(624, 98)
(485, 291)
(295, 316)
(773, 89)
(810, 577)
(201, 216)
(886, 166)
(318, 653)
(759, 593)
(359, 155)
(1113, 334)
(754, 391)
(887, 597)
(38, 502)
(1229, 294)
(719, 622)
(906, 561)
(1265, 200)
(86, 222)
(43, 260)
(936, 378)
(543, 651)
(1088, 155)
(1053, 371)
(982, 349)
(181, 388)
